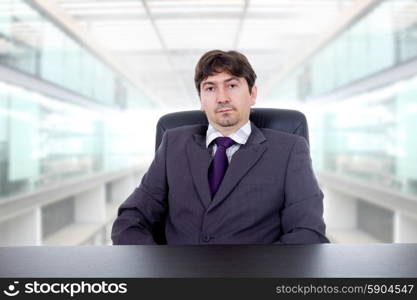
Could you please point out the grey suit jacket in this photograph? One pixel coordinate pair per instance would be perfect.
(269, 194)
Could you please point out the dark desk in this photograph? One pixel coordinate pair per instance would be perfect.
(327, 260)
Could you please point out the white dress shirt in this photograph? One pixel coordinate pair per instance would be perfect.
(240, 137)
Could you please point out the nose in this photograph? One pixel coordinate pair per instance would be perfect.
(222, 95)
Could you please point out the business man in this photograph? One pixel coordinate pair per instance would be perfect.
(230, 182)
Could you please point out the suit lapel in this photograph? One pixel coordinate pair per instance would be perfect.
(242, 161)
(199, 159)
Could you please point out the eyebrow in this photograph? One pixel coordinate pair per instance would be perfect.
(226, 80)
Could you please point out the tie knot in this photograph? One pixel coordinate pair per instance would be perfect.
(224, 142)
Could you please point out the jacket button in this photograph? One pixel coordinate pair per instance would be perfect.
(207, 239)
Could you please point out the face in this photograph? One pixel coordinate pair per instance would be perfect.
(226, 100)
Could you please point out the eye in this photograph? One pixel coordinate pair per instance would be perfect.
(209, 89)
(232, 85)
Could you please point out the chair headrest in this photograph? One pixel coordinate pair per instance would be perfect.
(286, 120)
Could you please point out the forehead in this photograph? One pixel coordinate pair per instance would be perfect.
(219, 78)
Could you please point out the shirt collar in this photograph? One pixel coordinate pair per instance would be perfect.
(240, 136)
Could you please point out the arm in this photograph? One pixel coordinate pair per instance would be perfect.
(146, 206)
(302, 215)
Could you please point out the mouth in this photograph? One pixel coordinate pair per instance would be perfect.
(224, 110)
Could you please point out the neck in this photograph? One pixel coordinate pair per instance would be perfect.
(226, 131)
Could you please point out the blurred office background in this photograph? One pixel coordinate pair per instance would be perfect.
(83, 82)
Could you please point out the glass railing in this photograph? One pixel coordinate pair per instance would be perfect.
(383, 38)
(45, 141)
(32, 43)
(371, 137)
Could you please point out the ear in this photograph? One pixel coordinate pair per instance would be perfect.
(253, 95)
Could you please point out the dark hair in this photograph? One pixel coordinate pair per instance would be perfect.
(217, 61)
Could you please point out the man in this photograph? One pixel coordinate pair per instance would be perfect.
(230, 182)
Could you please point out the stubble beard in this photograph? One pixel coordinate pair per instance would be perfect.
(227, 121)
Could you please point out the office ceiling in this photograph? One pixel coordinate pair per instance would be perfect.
(162, 40)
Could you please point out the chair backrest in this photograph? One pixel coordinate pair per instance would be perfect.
(290, 121)
(286, 120)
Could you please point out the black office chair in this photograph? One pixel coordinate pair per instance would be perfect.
(286, 120)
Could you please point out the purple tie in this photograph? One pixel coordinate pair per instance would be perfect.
(219, 164)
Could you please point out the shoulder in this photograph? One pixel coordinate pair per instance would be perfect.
(184, 134)
(187, 130)
(281, 136)
(176, 138)
(282, 142)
